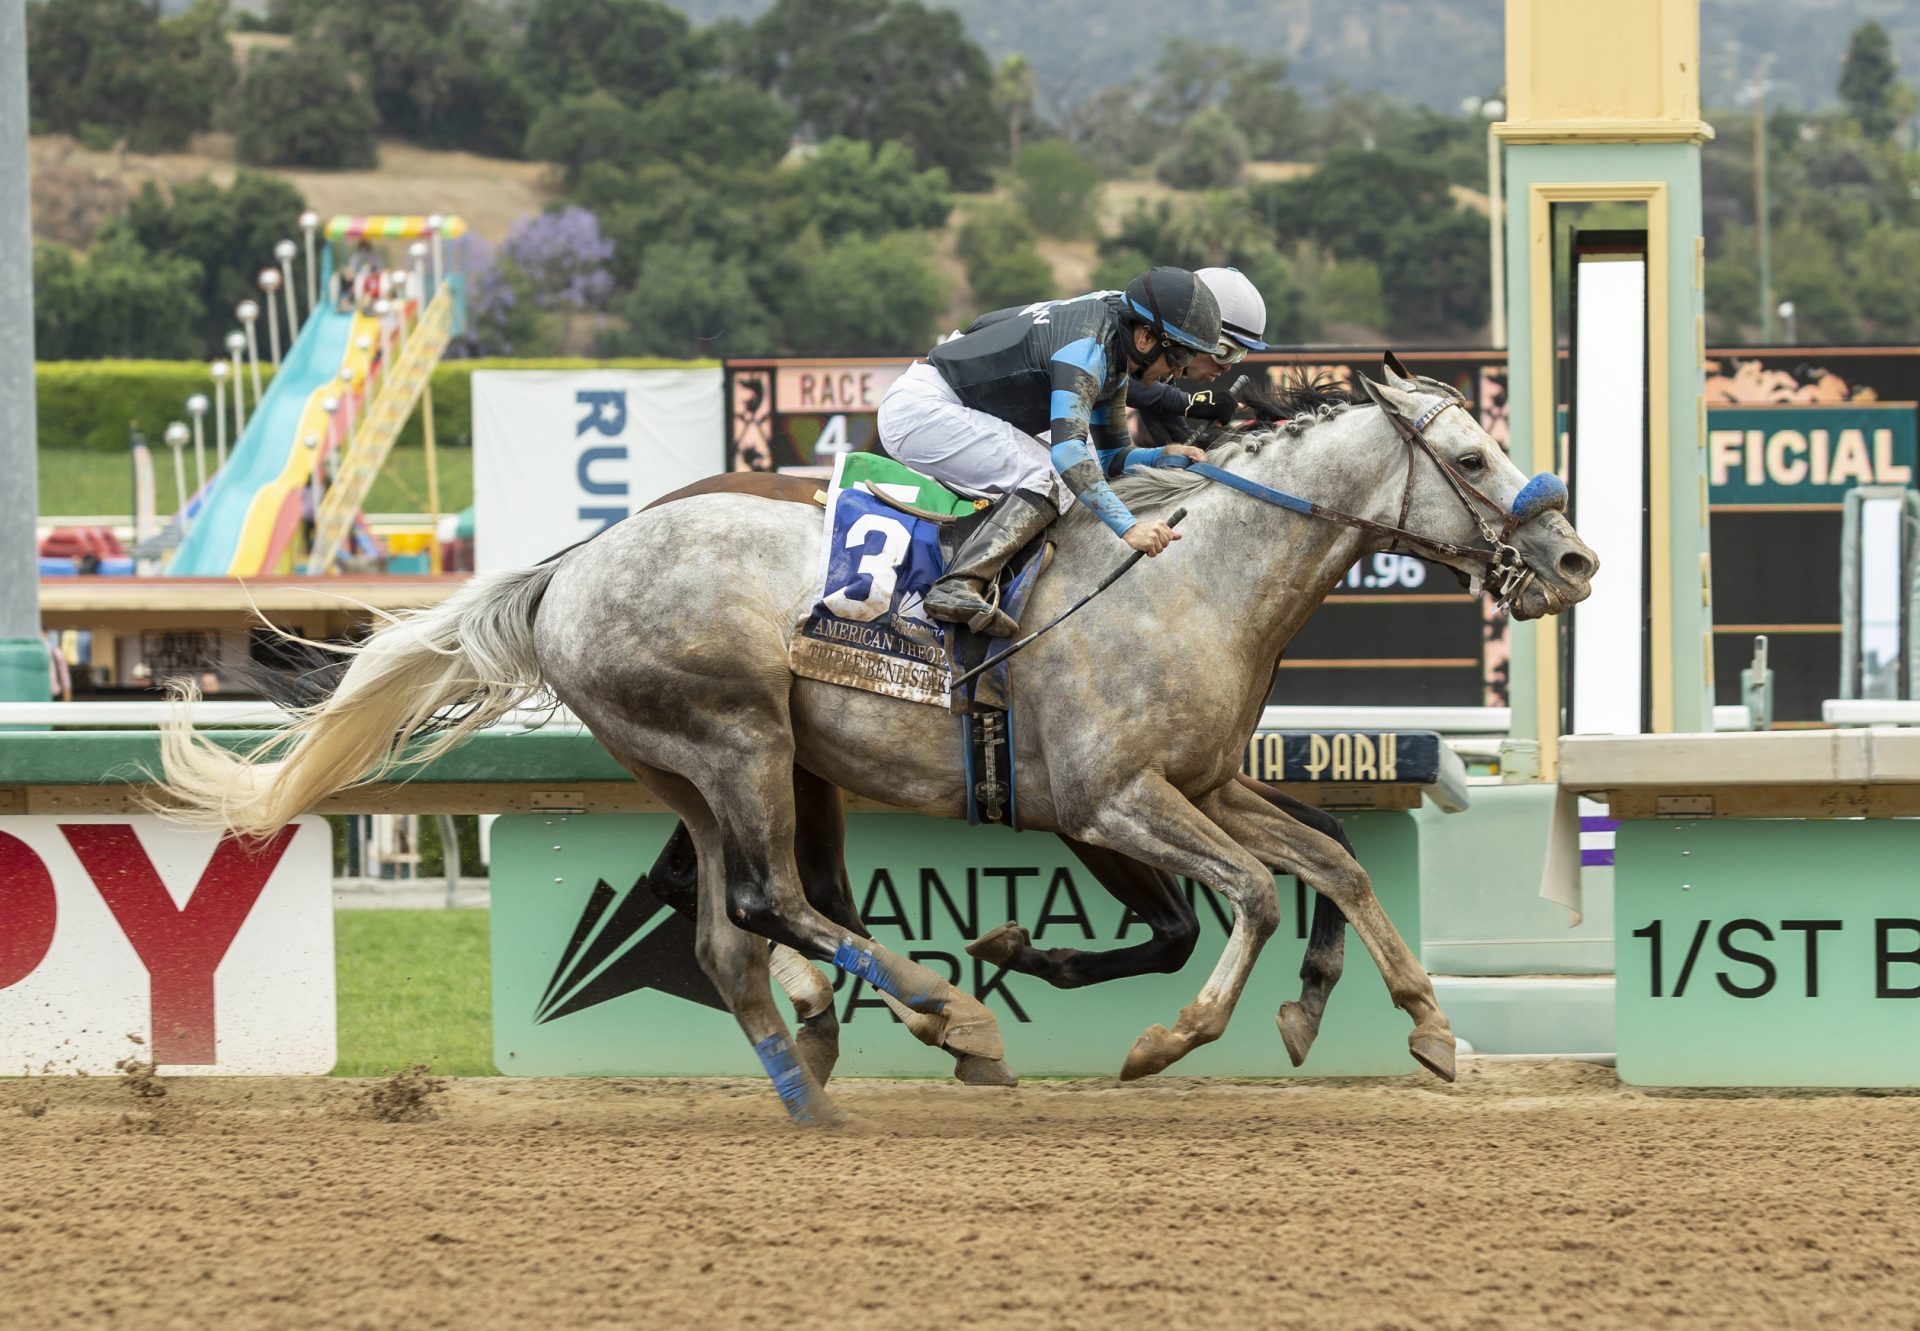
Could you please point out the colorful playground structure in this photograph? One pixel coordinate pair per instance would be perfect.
(309, 442)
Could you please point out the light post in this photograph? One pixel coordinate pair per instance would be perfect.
(284, 252)
(434, 223)
(402, 286)
(1493, 110)
(314, 455)
(269, 283)
(176, 437)
(383, 317)
(236, 345)
(220, 370)
(248, 312)
(309, 223)
(197, 407)
(346, 397)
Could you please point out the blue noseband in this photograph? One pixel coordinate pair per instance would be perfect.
(1544, 493)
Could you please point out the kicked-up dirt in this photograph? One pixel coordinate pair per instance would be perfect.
(1526, 1196)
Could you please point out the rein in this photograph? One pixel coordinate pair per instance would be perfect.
(1507, 572)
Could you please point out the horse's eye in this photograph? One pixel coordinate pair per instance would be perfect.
(1471, 462)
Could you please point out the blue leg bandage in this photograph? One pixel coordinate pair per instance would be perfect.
(789, 1079)
(860, 962)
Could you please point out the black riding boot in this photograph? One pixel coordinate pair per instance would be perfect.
(960, 596)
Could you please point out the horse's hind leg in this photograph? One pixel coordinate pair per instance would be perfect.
(675, 879)
(749, 787)
(734, 960)
(1152, 894)
(1289, 847)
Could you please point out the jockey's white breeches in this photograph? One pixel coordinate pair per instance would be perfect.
(924, 424)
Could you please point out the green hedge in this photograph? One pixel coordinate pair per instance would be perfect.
(89, 404)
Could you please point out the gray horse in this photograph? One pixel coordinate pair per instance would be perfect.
(667, 636)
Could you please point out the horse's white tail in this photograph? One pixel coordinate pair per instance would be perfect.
(453, 669)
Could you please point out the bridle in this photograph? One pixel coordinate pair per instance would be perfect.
(1507, 573)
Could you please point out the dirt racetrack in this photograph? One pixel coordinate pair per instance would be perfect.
(1529, 1195)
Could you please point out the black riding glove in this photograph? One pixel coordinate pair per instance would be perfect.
(1209, 404)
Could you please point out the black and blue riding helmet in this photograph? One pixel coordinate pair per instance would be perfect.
(1183, 314)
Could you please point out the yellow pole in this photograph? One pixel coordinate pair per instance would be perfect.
(433, 480)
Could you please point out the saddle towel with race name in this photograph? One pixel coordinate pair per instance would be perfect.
(869, 629)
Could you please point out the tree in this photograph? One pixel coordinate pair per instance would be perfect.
(437, 70)
(563, 257)
(690, 301)
(1869, 82)
(1209, 153)
(921, 79)
(578, 131)
(116, 65)
(1433, 273)
(1013, 94)
(846, 187)
(727, 123)
(228, 233)
(633, 49)
(119, 301)
(1109, 128)
(861, 297)
(1057, 187)
(1003, 268)
(1887, 268)
(303, 108)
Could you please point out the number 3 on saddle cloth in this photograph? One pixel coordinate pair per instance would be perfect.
(888, 533)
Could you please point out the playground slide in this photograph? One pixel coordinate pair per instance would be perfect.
(242, 528)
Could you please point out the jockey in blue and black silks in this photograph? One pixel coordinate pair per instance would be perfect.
(968, 416)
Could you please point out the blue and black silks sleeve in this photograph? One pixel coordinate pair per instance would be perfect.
(1079, 374)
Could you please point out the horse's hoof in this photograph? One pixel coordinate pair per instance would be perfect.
(971, 1029)
(817, 1051)
(1002, 945)
(1433, 1050)
(929, 1028)
(1156, 1049)
(1297, 1031)
(973, 1071)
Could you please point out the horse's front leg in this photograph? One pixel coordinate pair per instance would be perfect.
(1152, 894)
(1150, 820)
(1290, 847)
(1326, 942)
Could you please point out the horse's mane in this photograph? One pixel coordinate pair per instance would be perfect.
(1296, 403)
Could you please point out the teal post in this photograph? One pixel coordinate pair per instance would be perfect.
(23, 655)
(1690, 617)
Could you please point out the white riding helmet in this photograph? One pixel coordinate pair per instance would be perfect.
(1243, 314)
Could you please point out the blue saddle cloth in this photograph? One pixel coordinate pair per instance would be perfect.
(869, 628)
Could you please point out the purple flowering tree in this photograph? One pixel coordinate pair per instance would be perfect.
(538, 290)
(563, 258)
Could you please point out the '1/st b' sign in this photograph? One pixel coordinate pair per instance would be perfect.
(215, 954)
(1775, 952)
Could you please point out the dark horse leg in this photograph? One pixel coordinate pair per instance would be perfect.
(1155, 896)
(820, 839)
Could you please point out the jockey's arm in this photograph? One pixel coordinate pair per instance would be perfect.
(1078, 371)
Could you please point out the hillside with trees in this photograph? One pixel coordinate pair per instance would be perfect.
(721, 188)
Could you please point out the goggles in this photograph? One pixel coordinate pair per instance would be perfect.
(1229, 352)
(1178, 357)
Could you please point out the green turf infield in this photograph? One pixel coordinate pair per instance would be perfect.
(415, 987)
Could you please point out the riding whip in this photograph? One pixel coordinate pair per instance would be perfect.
(1105, 583)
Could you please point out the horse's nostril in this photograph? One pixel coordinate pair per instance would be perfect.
(1574, 566)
